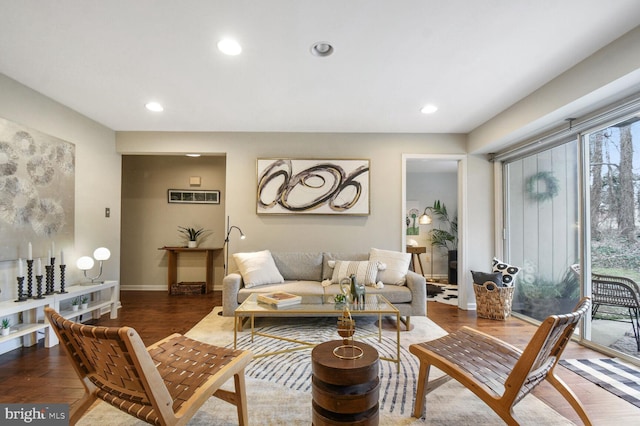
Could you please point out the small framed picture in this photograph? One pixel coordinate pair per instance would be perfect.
(193, 196)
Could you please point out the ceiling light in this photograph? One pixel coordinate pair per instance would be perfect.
(229, 47)
(192, 155)
(321, 49)
(429, 109)
(154, 106)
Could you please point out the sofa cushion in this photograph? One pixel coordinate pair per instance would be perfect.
(365, 271)
(299, 266)
(257, 268)
(397, 265)
(311, 291)
(327, 271)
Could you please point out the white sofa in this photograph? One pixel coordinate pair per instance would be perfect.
(304, 274)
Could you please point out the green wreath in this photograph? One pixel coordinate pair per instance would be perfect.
(550, 184)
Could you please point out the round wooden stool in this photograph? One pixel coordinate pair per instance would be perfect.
(345, 391)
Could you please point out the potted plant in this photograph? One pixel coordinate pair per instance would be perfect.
(75, 304)
(192, 235)
(84, 302)
(6, 327)
(446, 238)
(538, 296)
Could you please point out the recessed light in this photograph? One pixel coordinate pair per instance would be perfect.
(154, 106)
(321, 49)
(192, 155)
(229, 47)
(429, 109)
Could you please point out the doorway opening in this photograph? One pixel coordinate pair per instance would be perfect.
(433, 184)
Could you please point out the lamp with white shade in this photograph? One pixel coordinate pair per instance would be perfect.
(86, 263)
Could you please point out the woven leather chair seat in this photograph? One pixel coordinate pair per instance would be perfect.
(500, 374)
(163, 384)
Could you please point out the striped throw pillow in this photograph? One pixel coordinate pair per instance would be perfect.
(365, 271)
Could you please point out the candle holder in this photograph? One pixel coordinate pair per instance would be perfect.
(29, 278)
(21, 296)
(39, 287)
(346, 329)
(62, 268)
(48, 273)
(53, 274)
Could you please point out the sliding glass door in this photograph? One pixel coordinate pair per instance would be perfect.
(572, 216)
(542, 232)
(612, 261)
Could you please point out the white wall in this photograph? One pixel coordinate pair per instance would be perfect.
(611, 74)
(97, 177)
(382, 228)
(97, 182)
(479, 223)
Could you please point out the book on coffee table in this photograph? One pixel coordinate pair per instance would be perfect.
(279, 299)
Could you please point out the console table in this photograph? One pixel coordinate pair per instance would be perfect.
(172, 266)
(31, 320)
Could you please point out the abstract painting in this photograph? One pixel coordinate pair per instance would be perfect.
(331, 187)
(37, 187)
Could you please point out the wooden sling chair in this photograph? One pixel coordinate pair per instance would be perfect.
(164, 384)
(498, 373)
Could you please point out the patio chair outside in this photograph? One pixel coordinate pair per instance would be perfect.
(617, 292)
(164, 384)
(498, 373)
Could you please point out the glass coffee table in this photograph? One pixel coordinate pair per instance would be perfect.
(375, 305)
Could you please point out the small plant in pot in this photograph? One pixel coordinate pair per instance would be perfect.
(192, 235)
(6, 327)
(75, 304)
(84, 302)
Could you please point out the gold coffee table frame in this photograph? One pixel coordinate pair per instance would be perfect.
(375, 305)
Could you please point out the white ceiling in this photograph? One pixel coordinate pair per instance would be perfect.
(473, 58)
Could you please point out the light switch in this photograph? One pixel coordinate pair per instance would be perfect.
(107, 212)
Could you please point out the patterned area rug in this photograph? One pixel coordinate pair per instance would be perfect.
(443, 293)
(616, 376)
(279, 387)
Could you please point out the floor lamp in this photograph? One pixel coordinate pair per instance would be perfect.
(226, 244)
(425, 219)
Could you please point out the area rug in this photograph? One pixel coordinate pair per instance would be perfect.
(279, 387)
(445, 293)
(619, 378)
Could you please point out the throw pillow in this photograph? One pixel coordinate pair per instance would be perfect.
(508, 272)
(483, 277)
(257, 268)
(365, 271)
(397, 265)
(327, 271)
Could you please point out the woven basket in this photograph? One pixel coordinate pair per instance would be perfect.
(492, 301)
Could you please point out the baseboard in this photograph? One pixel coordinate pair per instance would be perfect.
(143, 287)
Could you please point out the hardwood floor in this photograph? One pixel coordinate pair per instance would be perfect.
(38, 374)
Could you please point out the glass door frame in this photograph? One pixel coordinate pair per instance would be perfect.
(580, 131)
